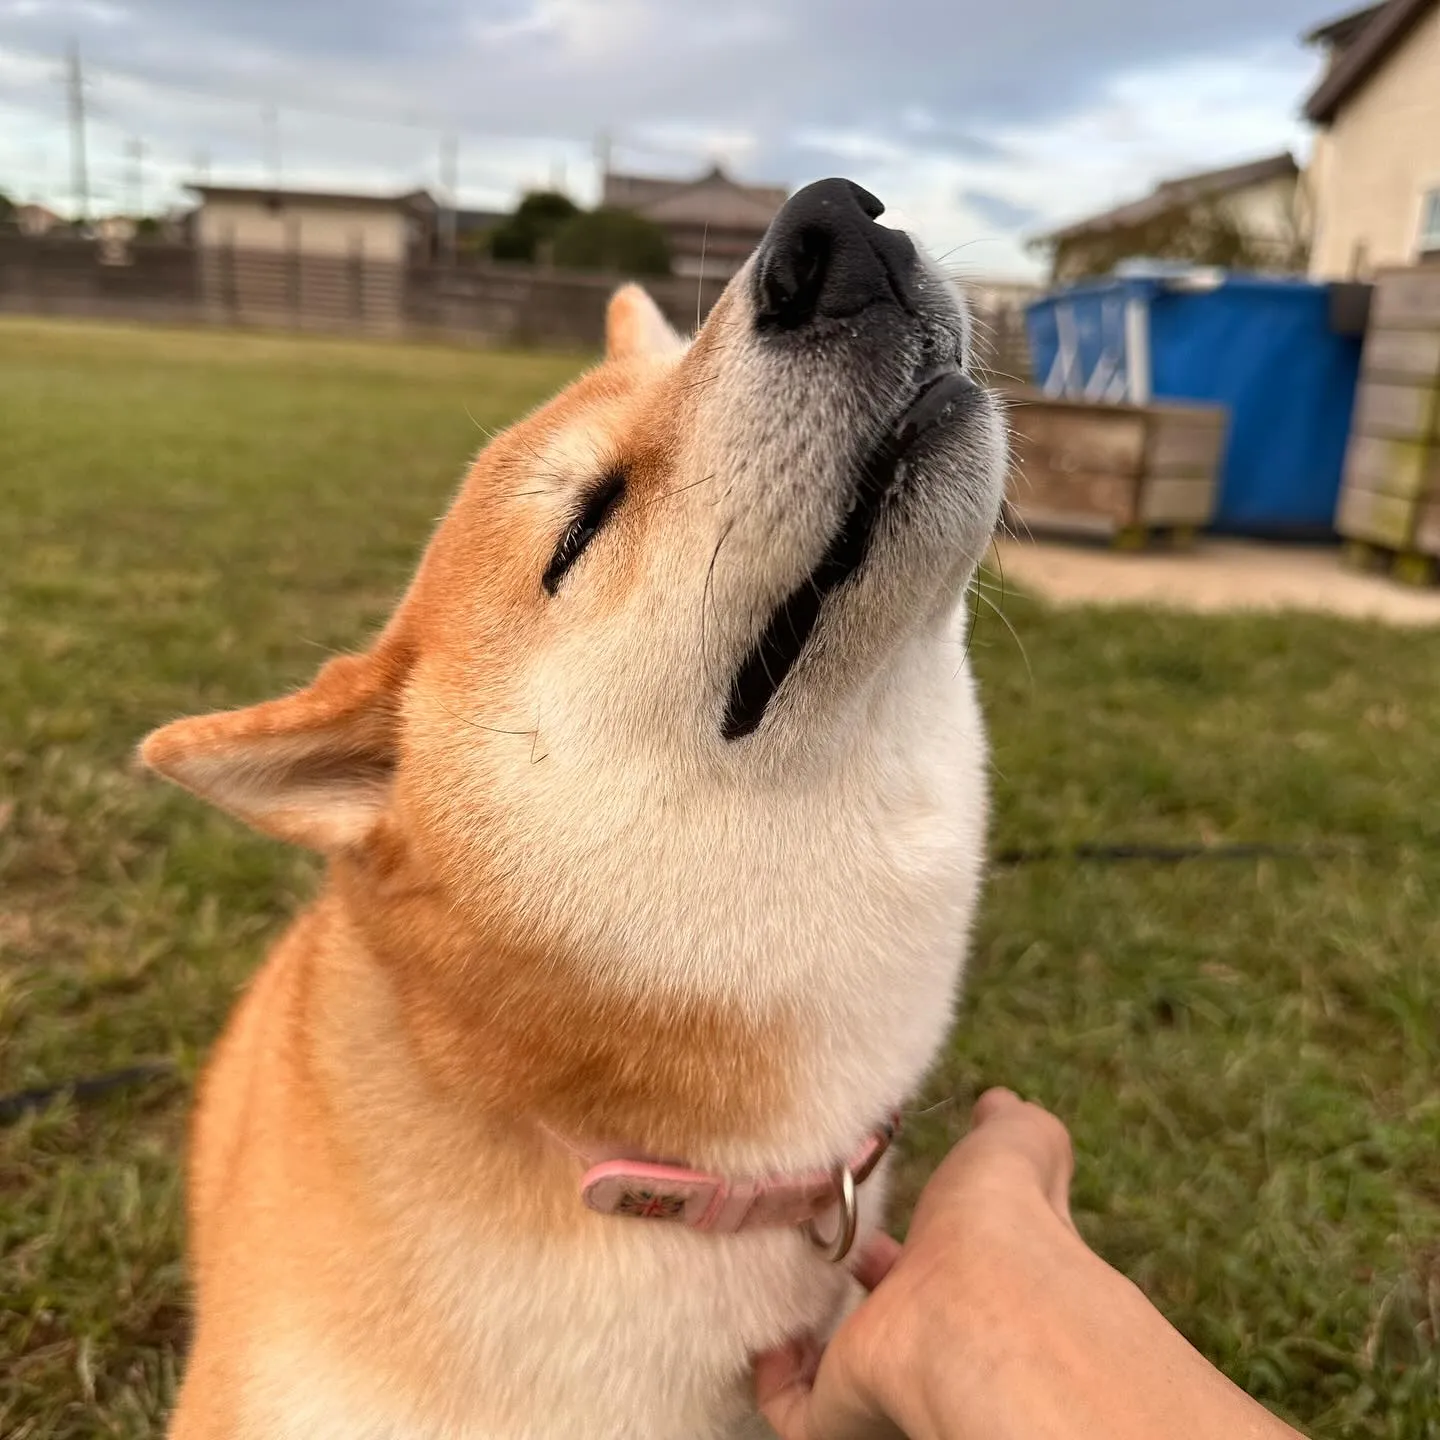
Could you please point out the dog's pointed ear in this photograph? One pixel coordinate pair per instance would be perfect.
(313, 768)
(634, 327)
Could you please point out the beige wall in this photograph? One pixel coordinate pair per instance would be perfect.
(1268, 211)
(1372, 167)
(312, 229)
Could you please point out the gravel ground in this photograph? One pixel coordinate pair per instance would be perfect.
(1217, 575)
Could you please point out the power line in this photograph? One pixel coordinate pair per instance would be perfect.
(409, 119)
(82, 112)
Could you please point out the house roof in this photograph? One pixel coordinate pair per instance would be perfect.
(1340, 31)
(1369, 46)
(413, 200)
(713, 199)
(1185, 190)
(467, 221)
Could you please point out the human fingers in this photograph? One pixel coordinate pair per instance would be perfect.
(875, 1260)
(783, 1388)
(807, 1395)
(1032, 1131)
(1012, 1144)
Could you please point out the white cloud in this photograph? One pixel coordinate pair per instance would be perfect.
(1031, 108)
(1145, 126)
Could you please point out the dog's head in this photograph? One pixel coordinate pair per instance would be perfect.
(704, 569)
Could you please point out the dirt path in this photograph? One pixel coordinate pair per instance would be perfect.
(1216, 575)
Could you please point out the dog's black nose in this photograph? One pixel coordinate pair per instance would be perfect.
(824, 257)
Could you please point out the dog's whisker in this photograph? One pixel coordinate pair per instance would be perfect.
(707, 594)
(679, 490)
(489, 729)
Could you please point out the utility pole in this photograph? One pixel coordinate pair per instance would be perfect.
(202, 166)
(135, 178)
(449, 198)
(271, 119)
(603, 148)
(79, 169)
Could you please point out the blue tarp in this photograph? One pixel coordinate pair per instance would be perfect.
(1262, 348)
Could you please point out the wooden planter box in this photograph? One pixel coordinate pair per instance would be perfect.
(1389, 507)
(1121, 472)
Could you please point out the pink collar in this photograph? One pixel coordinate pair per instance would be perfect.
(722, 1206)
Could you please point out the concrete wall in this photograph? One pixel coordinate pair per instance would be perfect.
(46, 276)
(307, 227)
(1372, 167)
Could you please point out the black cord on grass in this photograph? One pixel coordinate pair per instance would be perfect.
(87, 1087)
(1158, 854)
(93, 1087)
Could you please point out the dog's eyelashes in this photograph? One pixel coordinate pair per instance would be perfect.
(598, 508)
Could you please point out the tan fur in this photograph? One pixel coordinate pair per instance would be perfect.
(377, 1123)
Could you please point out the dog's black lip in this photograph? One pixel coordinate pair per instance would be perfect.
(784, 638)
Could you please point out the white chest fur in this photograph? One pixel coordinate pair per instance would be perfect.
(854, 900)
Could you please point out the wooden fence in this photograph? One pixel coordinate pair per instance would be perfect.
(472, 303)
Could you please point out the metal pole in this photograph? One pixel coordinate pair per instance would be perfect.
(1137, 349)
(79, 169)
(604, 148)
(135, 178)
(272, 144)
(449, 185)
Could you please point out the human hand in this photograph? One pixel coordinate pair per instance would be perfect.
(1012, 1171)
(996, 1321)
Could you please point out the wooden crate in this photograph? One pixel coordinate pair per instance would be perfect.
(1389, 508)
(1121, 472)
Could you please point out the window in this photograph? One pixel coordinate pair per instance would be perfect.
(1430, 224)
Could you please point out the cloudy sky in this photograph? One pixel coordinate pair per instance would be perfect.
(983, 120)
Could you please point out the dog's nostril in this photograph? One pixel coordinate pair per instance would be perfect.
(870, 207)
(793, 276)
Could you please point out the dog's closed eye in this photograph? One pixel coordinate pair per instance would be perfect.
(598, 508)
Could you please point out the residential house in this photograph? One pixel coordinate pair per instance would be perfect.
(309, 257)
(1260, 203)
(1374, 173)
(713, 222)
(114, 235)
(34, 220)
(393, 228)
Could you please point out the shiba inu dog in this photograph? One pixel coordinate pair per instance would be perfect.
(654, 822)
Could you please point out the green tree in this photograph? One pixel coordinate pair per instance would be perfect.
(530, 229)
(613, 240)
(7, 209)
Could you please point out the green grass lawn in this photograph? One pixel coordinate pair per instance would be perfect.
(1248, 1051)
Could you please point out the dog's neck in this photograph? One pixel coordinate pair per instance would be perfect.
(510, 1030)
